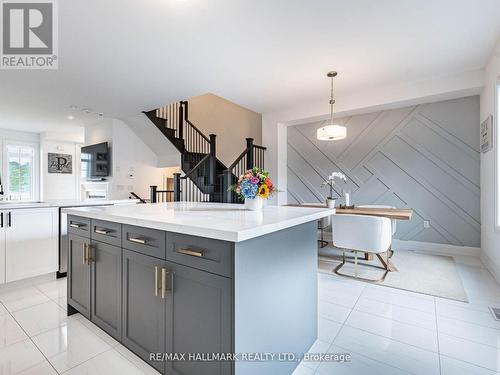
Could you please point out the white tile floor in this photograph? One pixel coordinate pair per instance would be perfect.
(386, 331)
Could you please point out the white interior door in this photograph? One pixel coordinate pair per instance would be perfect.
(31, 245)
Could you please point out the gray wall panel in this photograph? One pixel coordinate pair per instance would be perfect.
(425, 157)
(444, 150)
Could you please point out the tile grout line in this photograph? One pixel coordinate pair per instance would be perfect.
(338, 333)
(36, 304)
(470, 363)
(395, 340)
(437, 335)
(39, 333)
(34, 344)
(376, 360)
(130, 361)
(98, 354)
(341, 327)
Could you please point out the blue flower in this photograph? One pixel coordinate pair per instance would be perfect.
(248, 190)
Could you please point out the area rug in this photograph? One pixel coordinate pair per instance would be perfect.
(435, 275)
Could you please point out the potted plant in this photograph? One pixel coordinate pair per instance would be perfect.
(330, 200)
(253, 187)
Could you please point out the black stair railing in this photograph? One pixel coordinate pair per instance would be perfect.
(204, 177)
(157, 196)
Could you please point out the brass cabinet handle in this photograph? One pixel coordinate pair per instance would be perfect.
(164, 288)
(193, 253)
(84, 248)
(102, 231)
(72, 225)
(89, 254)
(156, 281)
(141, 241)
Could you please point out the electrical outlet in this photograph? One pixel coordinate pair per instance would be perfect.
(427, 224)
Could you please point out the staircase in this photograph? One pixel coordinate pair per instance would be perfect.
(205, 177)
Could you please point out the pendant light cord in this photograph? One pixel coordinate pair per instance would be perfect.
(332, 102)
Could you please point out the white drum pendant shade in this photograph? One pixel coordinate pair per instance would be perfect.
(331, 133)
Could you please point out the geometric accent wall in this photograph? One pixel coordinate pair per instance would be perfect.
(425, 157)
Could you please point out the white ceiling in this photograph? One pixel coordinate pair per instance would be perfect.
(124, 56)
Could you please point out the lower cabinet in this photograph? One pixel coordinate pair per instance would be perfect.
(199, 319)
(106, 287)
(79, 275)
(94, 282)
(31, 242)
(170, 308)
(144, 311)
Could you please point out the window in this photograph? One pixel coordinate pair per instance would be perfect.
(20, 181)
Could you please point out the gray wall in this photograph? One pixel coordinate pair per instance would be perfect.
(425, 157)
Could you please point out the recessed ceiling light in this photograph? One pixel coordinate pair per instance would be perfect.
(71, 117)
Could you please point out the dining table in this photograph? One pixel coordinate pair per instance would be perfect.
(390, 213)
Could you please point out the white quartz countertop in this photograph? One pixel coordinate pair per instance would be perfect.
(10, 205)
(223, 221)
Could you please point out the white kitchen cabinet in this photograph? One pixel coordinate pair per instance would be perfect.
(29, 240)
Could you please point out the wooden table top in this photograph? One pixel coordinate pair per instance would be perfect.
(391, 213)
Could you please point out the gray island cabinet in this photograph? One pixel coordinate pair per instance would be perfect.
(177, 295)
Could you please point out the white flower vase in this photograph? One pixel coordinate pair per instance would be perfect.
(255, 204)
(330, 202)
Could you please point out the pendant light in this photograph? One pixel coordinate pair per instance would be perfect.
(330, 131)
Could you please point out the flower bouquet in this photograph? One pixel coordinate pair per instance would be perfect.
(253, 187)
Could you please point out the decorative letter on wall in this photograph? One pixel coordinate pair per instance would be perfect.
(60, 163)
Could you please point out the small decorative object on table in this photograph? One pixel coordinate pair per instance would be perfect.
(330, 201)
(253, 187)
(346, 207)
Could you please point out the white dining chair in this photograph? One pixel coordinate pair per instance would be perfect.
(366, 234)
(393, 221)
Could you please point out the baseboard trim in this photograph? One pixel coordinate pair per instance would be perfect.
(436, 248)
(427, 247)
(490, 266)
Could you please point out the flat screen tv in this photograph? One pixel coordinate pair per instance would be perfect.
(95, 161)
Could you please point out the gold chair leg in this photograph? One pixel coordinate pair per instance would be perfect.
(386, 263)
(355, 277)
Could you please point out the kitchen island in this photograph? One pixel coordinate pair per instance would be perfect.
(182, 283)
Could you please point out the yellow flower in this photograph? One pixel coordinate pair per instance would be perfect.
(263, 191)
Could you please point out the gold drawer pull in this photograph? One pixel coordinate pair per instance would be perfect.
(164, 289)
(102, 231)
(191, 252)
(141, 241)
(84, 248)
(89, 254)
(156, 281)
(72, 225)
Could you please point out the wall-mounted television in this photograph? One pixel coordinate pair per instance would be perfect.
(95, 161)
